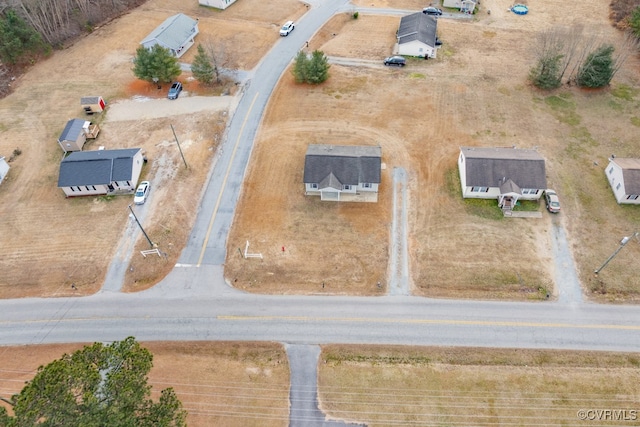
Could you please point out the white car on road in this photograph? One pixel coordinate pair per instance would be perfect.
(287, 28)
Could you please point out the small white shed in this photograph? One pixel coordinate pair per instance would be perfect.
(92, 104)
(623, 175)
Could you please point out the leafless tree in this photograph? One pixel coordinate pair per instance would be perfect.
(217, 51)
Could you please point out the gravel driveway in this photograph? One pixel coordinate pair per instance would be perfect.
(140, 108)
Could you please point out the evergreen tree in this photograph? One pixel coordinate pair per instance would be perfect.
(156, 64)
(547, 72)
(17, 39)
(93, 387)
(634, 22)
(300, 67)
(314, 70)
(203, 68)
(598, 69)
(318, 68)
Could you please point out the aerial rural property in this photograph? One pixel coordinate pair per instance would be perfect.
(432, 181)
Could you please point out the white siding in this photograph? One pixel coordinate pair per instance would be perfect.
(219, 4)
(416, 48)
(615, 177)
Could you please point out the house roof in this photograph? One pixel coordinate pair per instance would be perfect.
(89, 100)
(173, 32)
(492, 167)
(337, 165)
(100, 167)
(72, 130)
(630, 173)
(418, 26)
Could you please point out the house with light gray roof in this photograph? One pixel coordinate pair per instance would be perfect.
(176, 33)
(505, 174)
(417, 35)
(99, 172)
(343, 173)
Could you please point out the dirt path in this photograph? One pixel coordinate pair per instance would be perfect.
(400, 282)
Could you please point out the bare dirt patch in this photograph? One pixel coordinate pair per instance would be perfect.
(218, 383)
(390, 385)
(474, 94)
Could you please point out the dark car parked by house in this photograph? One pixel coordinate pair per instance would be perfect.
(398, 61)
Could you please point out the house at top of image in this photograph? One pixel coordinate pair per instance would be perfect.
(91, 173)
(624, 177)
(75, 134)
(417, 35)
(218, 4)
(343, 173)
(176, 33)
(505, 174)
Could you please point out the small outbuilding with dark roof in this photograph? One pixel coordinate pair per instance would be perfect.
(505, 174)
(176, 33)
(75, 134)
(343, 173)
(90, 173)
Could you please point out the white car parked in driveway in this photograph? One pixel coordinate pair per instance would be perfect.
(142, 193)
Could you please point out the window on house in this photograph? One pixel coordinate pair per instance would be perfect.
(529, 191)
(479, 189)
(632, 197)
(610, 170)
(73, 189)
(618, 186)
(366, 185)
(314, 186)
(346, 187)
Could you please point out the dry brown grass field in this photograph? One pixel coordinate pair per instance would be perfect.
(383, 386)
(49, 242)
(221, 383)
(474, 94)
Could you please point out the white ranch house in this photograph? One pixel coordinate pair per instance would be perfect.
(91, 173)
(624, 177)
(176, 33)
(504, 174)
(417, 35)
(343, 173)
(4, 168)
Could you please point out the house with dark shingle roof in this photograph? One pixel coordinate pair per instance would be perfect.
(90, 173)
(505, 174)
(417, 35)
(624, 177)
(176, 33)
(343, 173)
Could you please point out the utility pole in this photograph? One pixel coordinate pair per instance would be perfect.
(142, 229)
(623, 242)
(179, 148)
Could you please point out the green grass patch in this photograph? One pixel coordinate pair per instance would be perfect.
(417, 76)
(624, 92)
(563, 109)
(484, 208)
(635, 121)
(527, 205)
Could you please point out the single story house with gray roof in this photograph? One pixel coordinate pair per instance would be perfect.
(343, 173)
(90, 173)
(624, 178)
(417, 35)
(176, 33)
(505, 174)
(218, 4)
